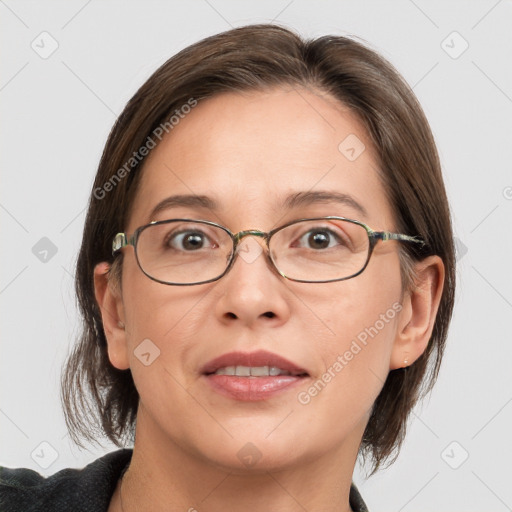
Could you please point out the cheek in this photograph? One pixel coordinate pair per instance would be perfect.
(163, 322)
(151, 308)
(160, 320)
(355, 357)
(355, 336)
(353, 306)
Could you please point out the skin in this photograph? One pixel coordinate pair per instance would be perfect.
(249, 151)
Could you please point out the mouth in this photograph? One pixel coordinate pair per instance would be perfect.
(252, 376)
(255, 371)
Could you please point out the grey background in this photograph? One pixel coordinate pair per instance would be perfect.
(56, 114)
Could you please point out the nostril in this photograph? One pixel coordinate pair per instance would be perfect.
(269, 314)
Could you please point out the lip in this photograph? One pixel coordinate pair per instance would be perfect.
(258, 358)
(251, 389)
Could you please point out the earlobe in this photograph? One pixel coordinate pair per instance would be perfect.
(112, 314)
(420, 305)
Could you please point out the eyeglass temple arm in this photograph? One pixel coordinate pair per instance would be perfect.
(120, 241)
(387, 235)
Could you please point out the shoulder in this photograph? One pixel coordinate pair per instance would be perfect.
(80, 490)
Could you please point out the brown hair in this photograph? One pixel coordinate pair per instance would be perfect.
(101, 400)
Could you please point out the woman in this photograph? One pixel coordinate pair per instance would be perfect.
(266, 279)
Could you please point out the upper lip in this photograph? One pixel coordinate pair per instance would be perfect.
(252, 359)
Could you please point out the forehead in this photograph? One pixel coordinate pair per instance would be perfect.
(251, 151)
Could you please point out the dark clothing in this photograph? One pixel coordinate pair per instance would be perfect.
(79, 490)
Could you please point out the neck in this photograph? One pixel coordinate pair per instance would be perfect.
(164, 476)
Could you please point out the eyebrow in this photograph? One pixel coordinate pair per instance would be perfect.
(320, 196)
(184, 200)
(299, 199)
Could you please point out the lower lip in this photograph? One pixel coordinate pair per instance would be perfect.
(251, 389)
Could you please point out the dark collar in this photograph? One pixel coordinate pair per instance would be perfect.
(80, 490)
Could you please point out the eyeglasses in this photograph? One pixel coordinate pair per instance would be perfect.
(317, 250)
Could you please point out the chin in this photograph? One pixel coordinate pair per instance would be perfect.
(256, 449)
(251, 458)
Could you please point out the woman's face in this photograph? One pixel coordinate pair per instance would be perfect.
(249, 153)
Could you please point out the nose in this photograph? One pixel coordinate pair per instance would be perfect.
(253, 292)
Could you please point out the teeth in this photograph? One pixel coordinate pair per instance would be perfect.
(243, 371)
(251, 371)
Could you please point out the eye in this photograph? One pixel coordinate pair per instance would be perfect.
(189, 240)
(320, 238)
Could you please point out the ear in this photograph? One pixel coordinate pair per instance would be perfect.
(112, 313)
(420, 305)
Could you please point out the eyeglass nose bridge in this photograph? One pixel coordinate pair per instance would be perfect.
(237, 237)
